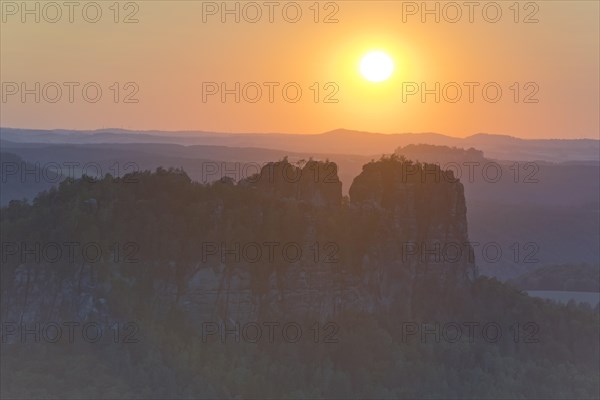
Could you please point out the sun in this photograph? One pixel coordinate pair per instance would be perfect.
(376, 66)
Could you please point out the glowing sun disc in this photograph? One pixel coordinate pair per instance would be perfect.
(376, 66)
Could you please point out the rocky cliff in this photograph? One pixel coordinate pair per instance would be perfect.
(283, 243)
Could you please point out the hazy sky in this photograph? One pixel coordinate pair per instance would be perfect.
(179, 55)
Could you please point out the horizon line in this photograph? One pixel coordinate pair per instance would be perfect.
(337, 130)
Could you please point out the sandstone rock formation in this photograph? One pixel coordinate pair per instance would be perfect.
(231, 252)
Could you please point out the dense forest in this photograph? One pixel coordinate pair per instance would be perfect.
(442, 332)
(577, 278)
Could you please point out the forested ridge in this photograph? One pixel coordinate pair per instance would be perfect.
(545, 350)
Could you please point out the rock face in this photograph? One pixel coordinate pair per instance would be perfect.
(316, 183)
(425, 206)
(284, 243)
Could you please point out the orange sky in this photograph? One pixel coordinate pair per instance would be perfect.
(171, 54)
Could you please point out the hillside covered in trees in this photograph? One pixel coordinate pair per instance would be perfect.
(576, 278)
(384, 311)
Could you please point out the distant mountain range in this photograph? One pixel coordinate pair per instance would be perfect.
(340, 141)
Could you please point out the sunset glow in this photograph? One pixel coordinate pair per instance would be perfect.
(207, 44)
(354, 199)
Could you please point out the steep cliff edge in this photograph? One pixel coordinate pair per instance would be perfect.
(283, 242)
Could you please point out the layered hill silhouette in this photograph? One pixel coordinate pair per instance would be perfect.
(340, 141)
